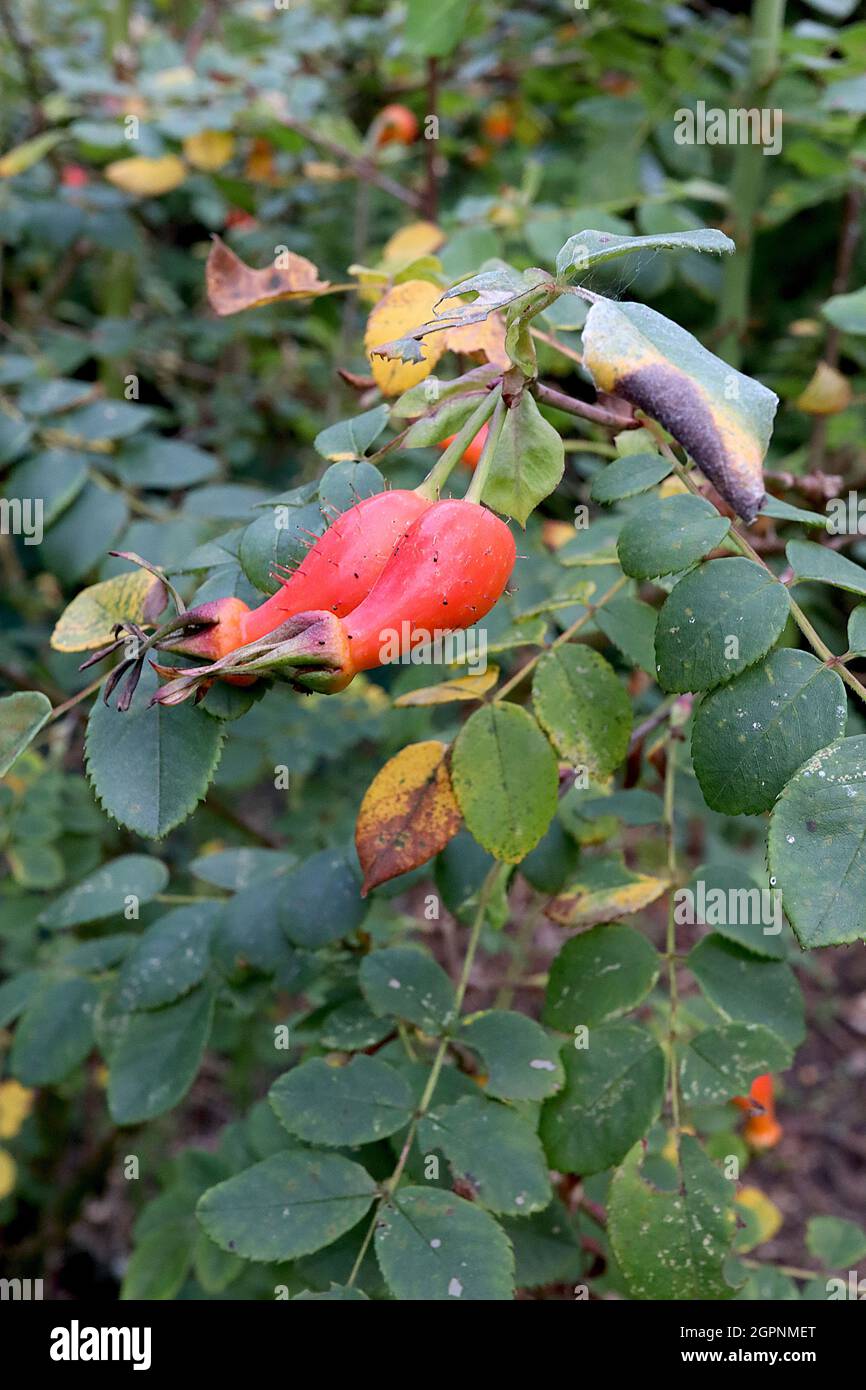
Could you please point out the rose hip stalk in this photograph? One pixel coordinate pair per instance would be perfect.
(446, 573)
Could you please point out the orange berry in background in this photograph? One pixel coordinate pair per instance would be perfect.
(473, 451)
(762, 1132)
(74, 176)
(478, 156)
(396, 125)
(498, 123)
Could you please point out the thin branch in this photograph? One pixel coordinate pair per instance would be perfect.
(361, 165)
(599, 414)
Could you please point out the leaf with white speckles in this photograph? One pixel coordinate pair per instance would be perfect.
(721, 1063)
(404, 982)
(598, 975)
(717, 621)
(520, 1059)
(749, 737)
(355, 1104)
(156, 1057)
(433, 1246)
(288, 1205)
(613, 1091)
(817, 846)
(494, 1150)
(672, 1245)
(746, 990)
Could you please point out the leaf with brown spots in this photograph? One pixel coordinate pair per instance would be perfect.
(723, 418)
(232, 285)
(408, 814)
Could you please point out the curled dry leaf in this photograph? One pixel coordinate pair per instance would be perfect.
(408, 814)
(232, 285)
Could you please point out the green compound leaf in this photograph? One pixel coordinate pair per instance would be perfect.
(672, 1245)
(668, 534)
(816, 562)
(626, 477)
(288, 1205)
(583, 707)
(156, 1057)
(527, 464)
(169, 959)
(21, 717)
(599, 975)
(505, 777)
(718, 620)
(150, 767)
(749, 737)
(55, 1034)
(355, 1104)
(405, 982)
(817, 846)
(723, 418)
(746, 990)
(631, 626)
(105, 892)
(613, 1092)
(521, 1061)
(493, 1150)
(721, 1063)
(433, 1246)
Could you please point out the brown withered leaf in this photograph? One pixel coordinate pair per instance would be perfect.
(232, 285)
(408, 814)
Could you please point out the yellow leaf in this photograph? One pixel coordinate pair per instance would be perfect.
(607, 893)
(671, 486)
(90, 617)
(412, 242)
(260, 167)
(147, 178)
(408, 814)
(24, 156)
(16, 1102)
(8, 1174)
(403, 308)
(210, 149)
(320, 171)
(762, 1217)
(232, 285)
(487, 337)
(461, 688)
(828, 393)
(172, 78)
